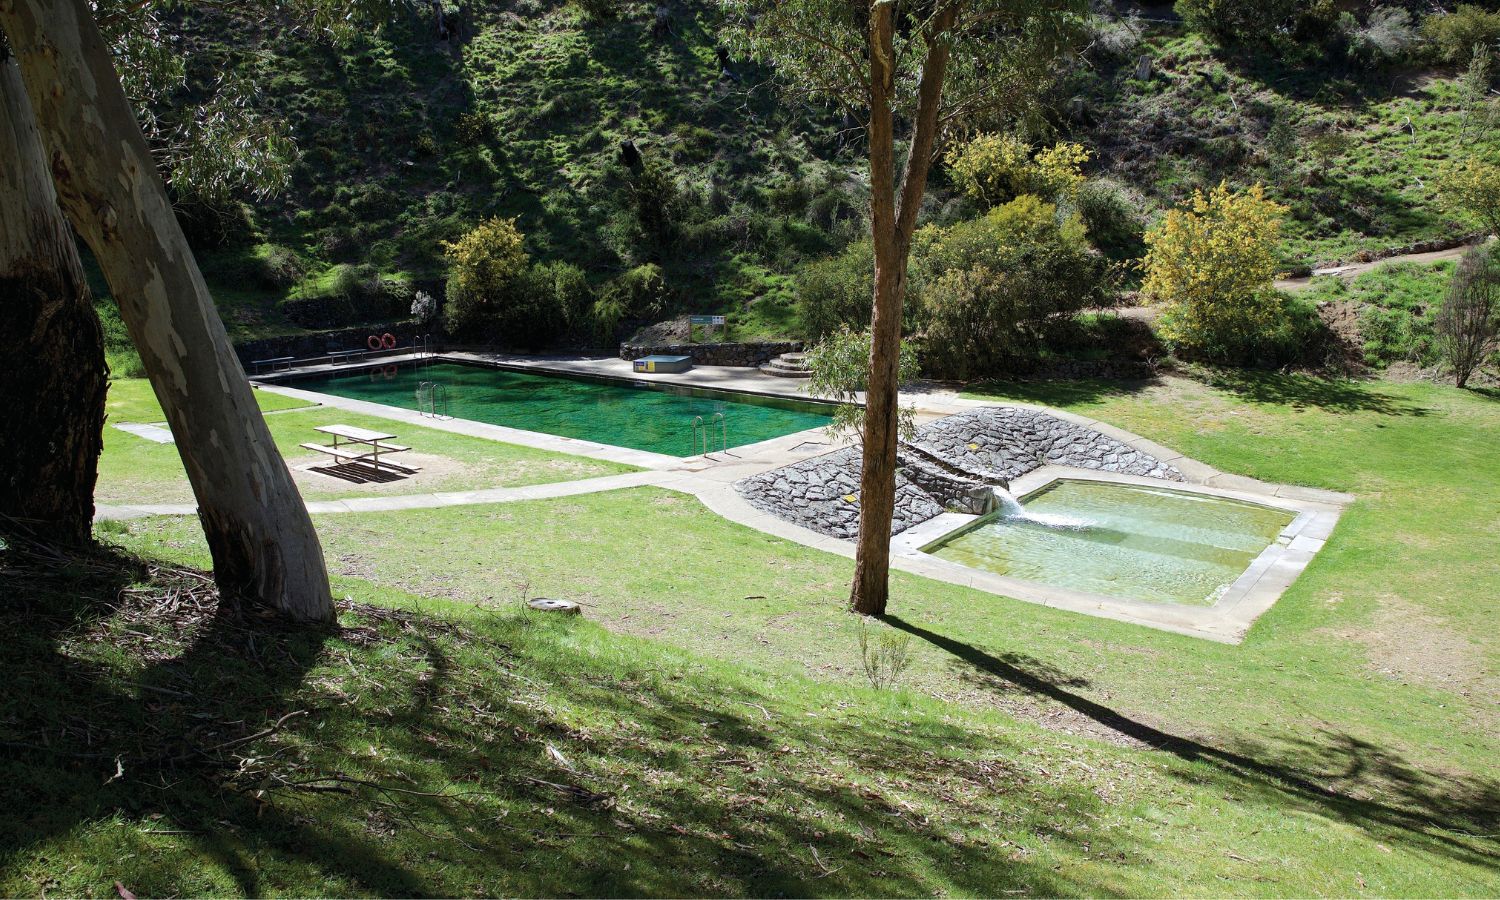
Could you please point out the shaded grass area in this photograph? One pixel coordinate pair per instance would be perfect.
(161, 741)
(135, 470)
(1360, 708)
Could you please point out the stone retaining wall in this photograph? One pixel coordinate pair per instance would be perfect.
(995, 444)
(727, 354)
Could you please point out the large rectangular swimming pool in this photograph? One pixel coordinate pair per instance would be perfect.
(640, 415)
(1130, 541)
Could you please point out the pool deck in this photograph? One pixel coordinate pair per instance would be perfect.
(711, 478)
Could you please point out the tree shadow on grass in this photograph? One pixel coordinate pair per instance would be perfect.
(201, 751)
(1452, 815)
(1060, 392)
(132, 692)
(1488, 393)
(1299, 391)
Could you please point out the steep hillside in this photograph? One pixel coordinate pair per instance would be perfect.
(622, 137)
(530, 110)
(1352, 152)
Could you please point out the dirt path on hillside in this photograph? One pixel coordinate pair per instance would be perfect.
(1353, 270)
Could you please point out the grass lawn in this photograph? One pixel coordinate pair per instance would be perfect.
(1347, 747)
(135, 470)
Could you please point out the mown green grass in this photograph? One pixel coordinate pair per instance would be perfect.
(135, 470)
(131, 400)
(487, 752)
(1347, 747)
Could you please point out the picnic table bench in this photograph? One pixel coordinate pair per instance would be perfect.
(372, 442)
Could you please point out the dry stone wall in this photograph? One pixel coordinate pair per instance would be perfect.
(993, 445)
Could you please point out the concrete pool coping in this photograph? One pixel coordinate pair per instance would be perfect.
(1257, 588)
(711, 479)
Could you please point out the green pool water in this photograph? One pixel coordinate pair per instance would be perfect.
(657, 418)
(1128, 541)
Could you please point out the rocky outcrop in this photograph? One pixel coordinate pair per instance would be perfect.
(951, 466)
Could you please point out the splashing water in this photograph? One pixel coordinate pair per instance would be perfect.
(1011, 510)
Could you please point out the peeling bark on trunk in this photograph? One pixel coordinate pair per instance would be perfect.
(52, 373)
(892, 223)
(262, 540)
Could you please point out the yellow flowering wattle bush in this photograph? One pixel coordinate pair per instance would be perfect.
(484, 266)
(997, 168)
(1210, 264)
(1472, 187)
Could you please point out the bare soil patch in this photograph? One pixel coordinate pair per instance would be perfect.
(1407, 643)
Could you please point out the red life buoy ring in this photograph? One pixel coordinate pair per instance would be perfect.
(390, 371)
(388, 341)
(373, 342)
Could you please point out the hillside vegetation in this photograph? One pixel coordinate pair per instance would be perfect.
(651, 175)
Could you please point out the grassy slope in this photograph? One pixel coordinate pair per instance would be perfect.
(388, 171)
(1347, 747)
(1398, 304)
(1205, 114)
(135, 470)
(570, 762)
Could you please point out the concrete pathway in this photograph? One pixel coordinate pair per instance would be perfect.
(711, 478)
(390, 502)
(159, 434)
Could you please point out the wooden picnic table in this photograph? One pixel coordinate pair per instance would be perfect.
(375, 441)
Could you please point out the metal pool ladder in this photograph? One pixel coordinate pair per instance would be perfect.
(704, 432)
(432, 396)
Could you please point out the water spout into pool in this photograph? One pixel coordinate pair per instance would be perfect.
(1011, 509)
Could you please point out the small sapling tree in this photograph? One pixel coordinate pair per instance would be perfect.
(1469, 321)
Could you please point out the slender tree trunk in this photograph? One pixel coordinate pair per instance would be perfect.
(877, 485)
(892, 225)
(262, 540)
(52, 373)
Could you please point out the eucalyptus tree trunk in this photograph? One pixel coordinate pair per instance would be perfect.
(262, 540)
(893, 220)
(52, 374)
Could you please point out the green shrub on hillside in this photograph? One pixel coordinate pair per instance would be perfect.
(837, 292)
(656, 202)
(1456, 34)
(1468, 324)
(1113, 218)
(279, 267)
(988, 286)
(1387, 37)
(1471, 187)
(641, 292)
(1232, 21)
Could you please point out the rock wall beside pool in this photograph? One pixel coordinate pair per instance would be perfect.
(991, 445)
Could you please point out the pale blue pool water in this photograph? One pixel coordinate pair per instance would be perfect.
(1121, 540)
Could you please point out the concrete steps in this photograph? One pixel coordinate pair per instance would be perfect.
(788, 365)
